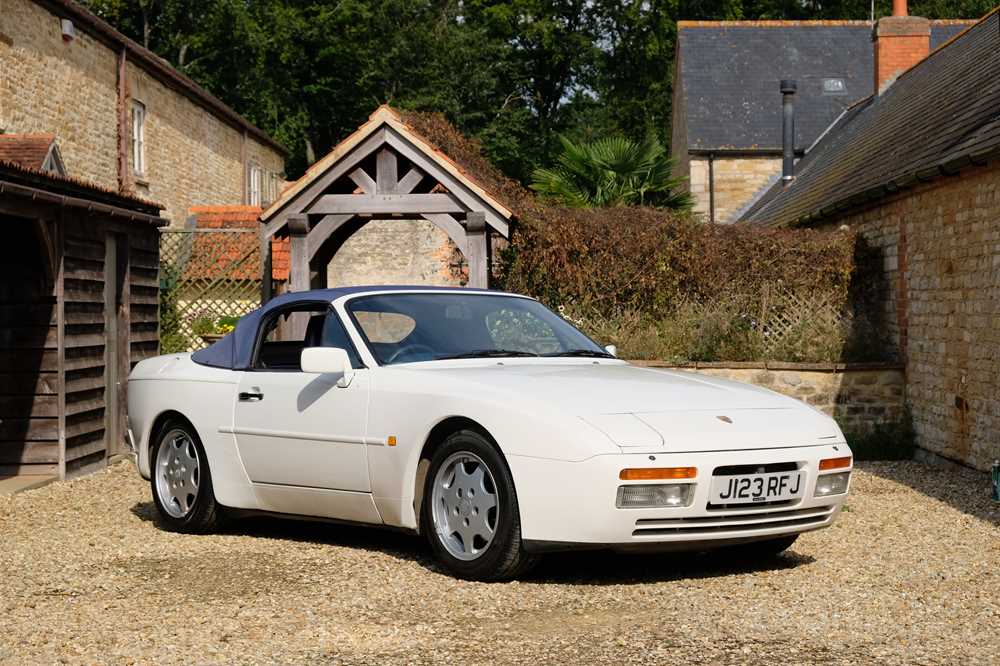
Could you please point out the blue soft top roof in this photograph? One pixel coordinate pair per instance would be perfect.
(235, 351)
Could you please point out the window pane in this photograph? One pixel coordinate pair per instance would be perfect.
(334, 335)
(407, 328)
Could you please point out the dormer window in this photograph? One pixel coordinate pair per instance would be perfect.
(834, 87)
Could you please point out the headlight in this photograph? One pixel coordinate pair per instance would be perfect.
(659, 495)
(832, 484)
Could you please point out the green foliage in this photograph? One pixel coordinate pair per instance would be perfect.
(895, 440)
(171, 339)
(613, 171)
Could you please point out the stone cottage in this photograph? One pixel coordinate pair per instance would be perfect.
(726, 126)
(122, 117)
(915, 168)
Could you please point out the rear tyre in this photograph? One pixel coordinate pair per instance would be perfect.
(181, 481)
(762, 550)
(470, 511)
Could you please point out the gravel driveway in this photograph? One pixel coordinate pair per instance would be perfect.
(909, 574)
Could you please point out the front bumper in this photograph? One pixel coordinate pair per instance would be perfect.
(572, 504)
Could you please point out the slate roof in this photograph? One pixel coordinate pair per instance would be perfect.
(937, 117)
(729, 73)
(27, 150)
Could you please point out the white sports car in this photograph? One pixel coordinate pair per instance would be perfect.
(480, 419)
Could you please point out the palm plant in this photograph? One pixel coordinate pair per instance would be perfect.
(613, 171)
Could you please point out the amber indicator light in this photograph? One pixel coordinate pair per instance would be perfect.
(834, 463)
(657, 473)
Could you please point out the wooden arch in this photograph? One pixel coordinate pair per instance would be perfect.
(384, 170)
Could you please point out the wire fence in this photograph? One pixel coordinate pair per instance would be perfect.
(206, 275)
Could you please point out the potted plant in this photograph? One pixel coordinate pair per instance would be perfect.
(210, 328)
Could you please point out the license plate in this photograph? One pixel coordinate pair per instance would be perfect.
(752, 488)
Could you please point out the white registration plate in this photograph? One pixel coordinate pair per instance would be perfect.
(752, 488)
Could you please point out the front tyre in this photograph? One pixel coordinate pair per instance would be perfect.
(181, 481)
(470, 511)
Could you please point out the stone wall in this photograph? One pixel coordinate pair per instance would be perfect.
(737, 180)
(857, 395)
(398, 252)
(67, 89)
(938, 246)
(70, 89)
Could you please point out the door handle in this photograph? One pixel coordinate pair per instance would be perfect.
(250, 397)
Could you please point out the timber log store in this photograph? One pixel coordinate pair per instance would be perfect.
(78, 308)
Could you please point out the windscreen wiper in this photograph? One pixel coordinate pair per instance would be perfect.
(593, 353)
(486, 353)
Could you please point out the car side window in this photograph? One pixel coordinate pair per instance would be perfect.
(335, 335)
(286, 333)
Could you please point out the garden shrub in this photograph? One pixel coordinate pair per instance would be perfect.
(666, 286)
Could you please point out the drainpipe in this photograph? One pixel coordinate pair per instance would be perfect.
(788, 89)
(711, 188)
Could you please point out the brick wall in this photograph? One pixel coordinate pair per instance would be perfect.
(398, 252)
(737, 180)
(939, 248)
(71, 90)
(856, 396)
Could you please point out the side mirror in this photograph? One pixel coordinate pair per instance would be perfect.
(611, 349)
(328, 360)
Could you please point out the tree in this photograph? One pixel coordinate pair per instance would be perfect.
(613, 171)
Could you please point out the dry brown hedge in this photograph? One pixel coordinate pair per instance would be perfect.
(648, 259)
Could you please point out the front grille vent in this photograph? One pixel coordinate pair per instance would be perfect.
(744, 522)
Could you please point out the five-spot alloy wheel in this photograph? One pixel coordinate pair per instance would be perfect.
(470, 510)
(181, 481)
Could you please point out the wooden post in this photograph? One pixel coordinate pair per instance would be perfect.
(298, 276)
(475, 233)
(298, 230)
(267, 271)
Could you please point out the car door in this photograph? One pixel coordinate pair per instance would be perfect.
(297, 430)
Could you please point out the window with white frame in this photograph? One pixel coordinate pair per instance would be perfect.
(254, 178)
(138, 138)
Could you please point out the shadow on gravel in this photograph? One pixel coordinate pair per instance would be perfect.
(578, 568)
(962, 488)
(609, 568)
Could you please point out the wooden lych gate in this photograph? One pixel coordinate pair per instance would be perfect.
(384, 170)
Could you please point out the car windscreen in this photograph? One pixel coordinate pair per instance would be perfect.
(412, 327)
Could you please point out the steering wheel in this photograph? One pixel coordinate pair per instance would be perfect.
(408, 349)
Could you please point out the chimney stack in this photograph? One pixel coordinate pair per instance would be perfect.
(901, 41)
(788, 89)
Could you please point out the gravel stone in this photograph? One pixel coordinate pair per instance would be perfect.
(910, 574)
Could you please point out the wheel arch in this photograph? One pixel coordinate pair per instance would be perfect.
(159, 422)
(435, 438)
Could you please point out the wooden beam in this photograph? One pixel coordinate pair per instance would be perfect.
(409, 181)
(363, 180)
(475, 230)
(385, 204)
(469, 199)
(386, 172)
(346, 164)
(322, 231)
(452, 227)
